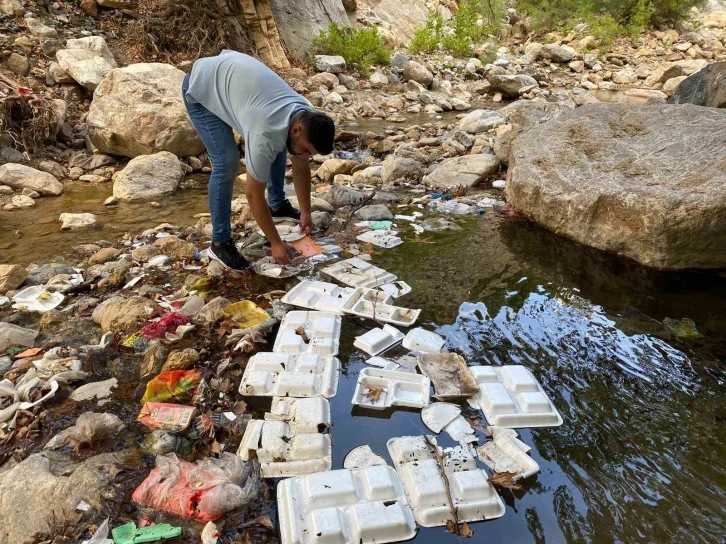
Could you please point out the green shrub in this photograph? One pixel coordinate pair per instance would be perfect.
(360, 47)
(428, 38)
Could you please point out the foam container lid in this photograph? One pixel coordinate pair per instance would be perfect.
(358, 506)
(356, 272)
(398, 389)
(377, 341)
(510, 396)
(396, 289)
(507, 453)
(423, 341)
(384, 313)
(474, 498)
(381, 238)
(318, 295)
(321, 328)
(290, 375)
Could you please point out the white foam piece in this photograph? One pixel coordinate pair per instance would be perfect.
(377, 341)
(322, 330)
(381, 238)
(423, 341)
(289, 442)
(438, 415)
(384, 313)
(473, 497)
(318, 295)
(362, 457)
(506, 453)
(397, 389)
(510, 396)
(396, 289)
(356, 272)
(382, 362)
(360, 506)
(290, 375)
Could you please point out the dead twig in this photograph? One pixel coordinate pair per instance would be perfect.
(362, 203)
(440, 462)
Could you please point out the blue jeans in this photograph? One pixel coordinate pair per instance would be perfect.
(218, 138)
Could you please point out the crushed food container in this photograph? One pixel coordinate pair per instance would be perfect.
(356, 272)
(290, 375)
(377, 340)
(507, 453)
(510, 396)
(380, 389)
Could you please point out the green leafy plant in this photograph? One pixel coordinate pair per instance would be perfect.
(427, 38)
(360, 47)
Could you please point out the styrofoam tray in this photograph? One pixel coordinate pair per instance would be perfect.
(318, 295)
(510, 396)
(507, 453)
(358, 506)
(377, 341)
(372, 295)
(474, 498)
(381, 238)
(396, 289)
(398, 389)
(289, 442)
(423, 341)
(384, 313)
(290, 375)
(356, 272)
(321, 328)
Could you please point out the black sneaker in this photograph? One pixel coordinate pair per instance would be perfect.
(227, 254)
(285, 213)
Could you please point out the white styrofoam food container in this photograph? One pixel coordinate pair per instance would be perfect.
(384, 313)
(289, 442)
(290, 375)
(381, 238)
(318, 295)
(377, 341)
(474, 498)
(396, 289)
(356, 272)
(358, 506)
(510, 396)
(423, 341)
(398, 389)
(321, 328)
(507, 453)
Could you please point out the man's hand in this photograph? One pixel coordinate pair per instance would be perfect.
(281, 253)
(306, 223)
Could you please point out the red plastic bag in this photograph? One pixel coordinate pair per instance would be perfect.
(204, 491)
(168, 323)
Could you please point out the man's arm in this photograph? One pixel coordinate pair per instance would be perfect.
(301, 179)
(260, 210)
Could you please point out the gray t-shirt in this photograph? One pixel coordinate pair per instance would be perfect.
(252, 99)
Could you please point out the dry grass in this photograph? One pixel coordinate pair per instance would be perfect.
(26, 117)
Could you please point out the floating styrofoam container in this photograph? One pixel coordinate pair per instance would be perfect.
(290, 375)
(382, 362)
(510, 396)
(384, 313)
(423, 341)
(356, 272)
(396, 289)
(381, 238)
(321, 328)
(397, 389)
(507, 453)
(359, 506)
(473, 497)
(377, 341)
(318, 295)
(372, 295)
(289, 442)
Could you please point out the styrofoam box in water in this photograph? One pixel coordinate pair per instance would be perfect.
(510, 396)
(474, 498)
(376, 341)
(290, 441)
(397, 389)
(322, 330)
(381, 238)
(358, 273)
(290, 375)
(358, 506)
(318, 295)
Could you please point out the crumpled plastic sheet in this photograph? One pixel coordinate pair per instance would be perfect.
(168, 323)
(268, 267)
(203, 491)
(89, 428)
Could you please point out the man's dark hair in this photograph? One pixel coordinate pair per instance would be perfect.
(321, 130)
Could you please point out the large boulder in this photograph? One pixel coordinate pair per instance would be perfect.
(479, 121)
(468, 171)
(510, 85)
(395, 169)
(148, 176)
(341, 196)
(676, 69)
(414, 71)
(86, 60)
(706, 87)
(301, 21)
(139, 110)
(557, 53)
(333, 64)
(631, 180)
(20, 176)
(332, 167)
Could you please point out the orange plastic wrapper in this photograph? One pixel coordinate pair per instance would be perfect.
(170, 384)
(168, 417)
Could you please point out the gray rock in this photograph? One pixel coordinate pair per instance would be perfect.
(87, 60)
(340, 196)
(42, 274)
(598, 175)
(211, 312)
(12, 335)
(53, 168)
(707, 87)
(321, 220)
(148, 176)
(378, 79)
(50, 46)
(299, 23)
(413, 71)
(510, 85)
(86, 161)
(374, 212)
(479, 121)
(332, 167)
(9, 154)
(334, 64)
(20, 176)
(676, 69)
(399, 60)
(395, 169)
(73, 221)
(325, 79)
(12, 276)
(37, 28)
(468, 170)
(557, 53)
(349, 82)
(19, 64)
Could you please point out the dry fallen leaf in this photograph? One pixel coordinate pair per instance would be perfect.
(452, 527)
(373, 394)
(301, 331)
(504, 480)
(464, 530)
